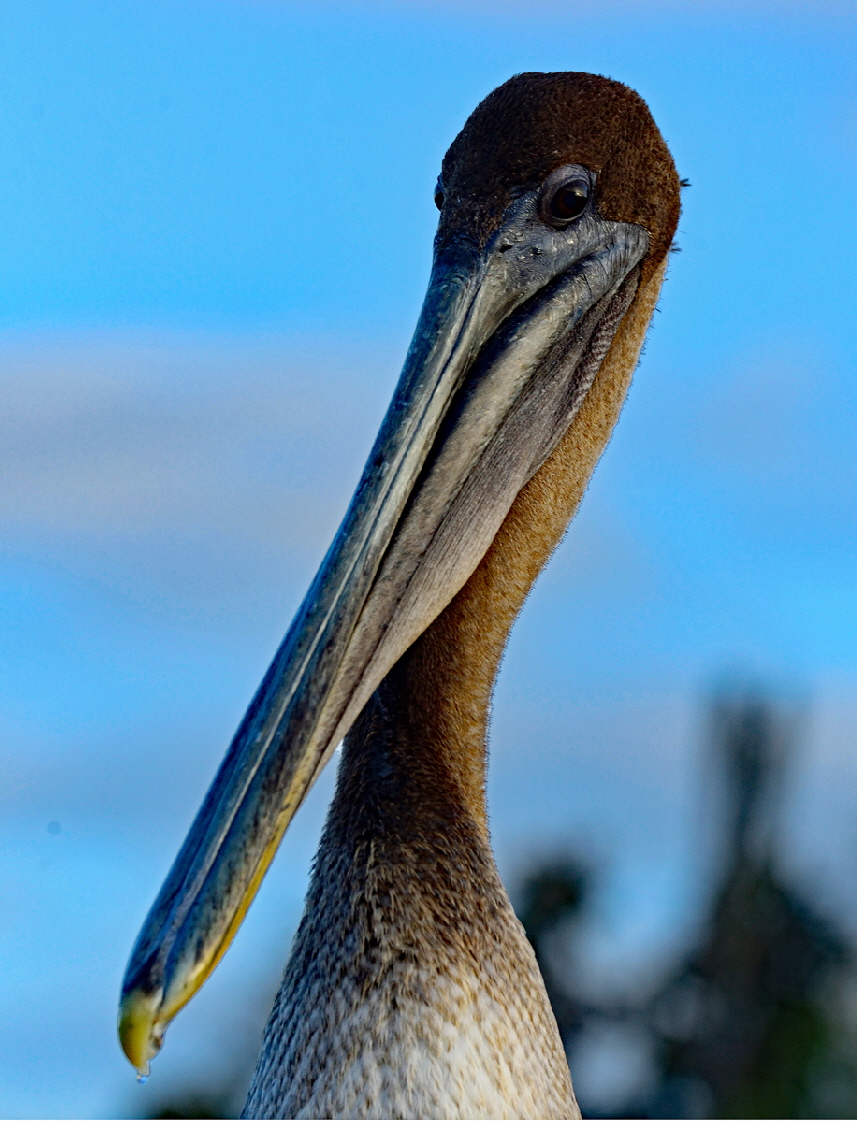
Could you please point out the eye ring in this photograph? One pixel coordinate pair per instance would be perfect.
(438, 194)
(564, 196)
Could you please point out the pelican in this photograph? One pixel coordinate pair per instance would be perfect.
(411, 990)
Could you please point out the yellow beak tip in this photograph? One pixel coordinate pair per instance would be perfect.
(140, 1033)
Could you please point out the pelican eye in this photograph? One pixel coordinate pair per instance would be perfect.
(563, 198)
(438, 194)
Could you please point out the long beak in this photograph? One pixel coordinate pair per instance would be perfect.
(504, 352)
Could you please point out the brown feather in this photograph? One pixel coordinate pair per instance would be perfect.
(535, 123)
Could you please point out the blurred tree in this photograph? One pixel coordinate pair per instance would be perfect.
(191, 1105)
(551, 896)
(745, 1023)
(750, 1024)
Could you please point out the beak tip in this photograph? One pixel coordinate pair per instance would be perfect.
(140, 1032)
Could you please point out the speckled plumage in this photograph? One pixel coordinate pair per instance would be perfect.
(411, 990)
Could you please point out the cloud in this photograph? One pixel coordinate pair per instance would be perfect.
(183, 465)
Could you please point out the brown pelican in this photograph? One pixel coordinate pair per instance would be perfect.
(411, 991)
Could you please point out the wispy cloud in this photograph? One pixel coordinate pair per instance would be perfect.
(192, 461)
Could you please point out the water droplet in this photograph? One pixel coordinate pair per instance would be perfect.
(142, 1078)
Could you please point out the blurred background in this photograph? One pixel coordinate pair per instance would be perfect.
(216, 231)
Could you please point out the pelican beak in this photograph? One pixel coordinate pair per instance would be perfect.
(510, 338)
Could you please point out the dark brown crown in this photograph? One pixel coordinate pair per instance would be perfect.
(535, 123)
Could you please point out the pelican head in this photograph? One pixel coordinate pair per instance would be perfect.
(558, 203)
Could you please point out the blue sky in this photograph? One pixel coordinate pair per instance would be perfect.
(217, 221)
